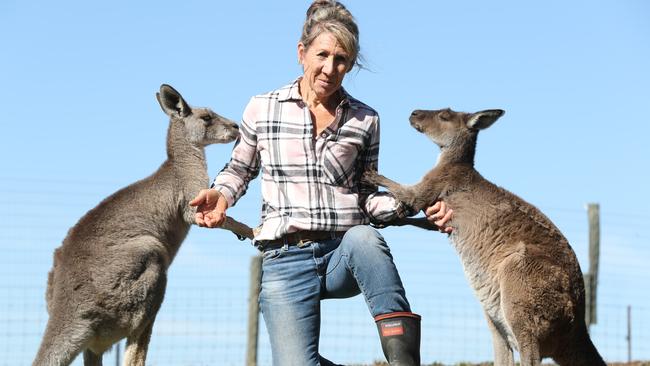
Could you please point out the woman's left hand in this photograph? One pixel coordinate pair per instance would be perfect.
(439, 214)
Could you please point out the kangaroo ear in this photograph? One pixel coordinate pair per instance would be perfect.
(484, 119)
(171, 102)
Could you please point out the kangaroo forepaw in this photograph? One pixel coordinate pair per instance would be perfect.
(371, 177)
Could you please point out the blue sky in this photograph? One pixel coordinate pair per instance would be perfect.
(79, 117)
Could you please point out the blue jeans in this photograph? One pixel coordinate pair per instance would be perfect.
(295, 279)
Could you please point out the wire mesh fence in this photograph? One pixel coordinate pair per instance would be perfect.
(203, 320)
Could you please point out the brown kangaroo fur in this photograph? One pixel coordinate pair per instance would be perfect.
(110, 273)
(521, 267)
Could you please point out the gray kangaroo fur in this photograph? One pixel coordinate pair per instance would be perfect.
(109, 275)
(522, 269)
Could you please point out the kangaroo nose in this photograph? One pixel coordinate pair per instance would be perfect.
(416, 113)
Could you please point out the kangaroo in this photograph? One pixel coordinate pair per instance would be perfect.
(109, 275)
(522, 269)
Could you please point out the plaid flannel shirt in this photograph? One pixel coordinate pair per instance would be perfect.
(307, 183)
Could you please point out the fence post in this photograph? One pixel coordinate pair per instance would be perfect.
(629, 334)
(253, 310)
(591, 283)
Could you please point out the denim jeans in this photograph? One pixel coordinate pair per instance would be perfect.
(295, 279)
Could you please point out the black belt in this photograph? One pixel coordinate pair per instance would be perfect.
(299, 238)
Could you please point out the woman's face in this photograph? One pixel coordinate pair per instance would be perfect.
(325, 64)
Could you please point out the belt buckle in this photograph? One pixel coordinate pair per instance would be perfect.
(303, 243)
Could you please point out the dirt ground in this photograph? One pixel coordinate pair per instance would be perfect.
(635, 363)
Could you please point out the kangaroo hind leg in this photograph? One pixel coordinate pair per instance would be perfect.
(502, 352)
(137, 346)
(61, 343)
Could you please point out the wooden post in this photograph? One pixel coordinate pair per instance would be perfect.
(629, 334)
(591, 286)
(253, 310)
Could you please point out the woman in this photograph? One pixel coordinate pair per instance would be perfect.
(312, 142)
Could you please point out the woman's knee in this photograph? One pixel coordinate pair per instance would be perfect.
(366, 239)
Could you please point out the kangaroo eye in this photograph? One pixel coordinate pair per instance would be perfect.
(206, 118)
(445, 116)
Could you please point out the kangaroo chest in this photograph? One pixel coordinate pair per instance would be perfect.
(484, 281)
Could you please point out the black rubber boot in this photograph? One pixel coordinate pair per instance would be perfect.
(400, 338)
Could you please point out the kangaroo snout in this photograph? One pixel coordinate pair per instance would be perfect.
(417, 113)
(416, 119)
(226, 131)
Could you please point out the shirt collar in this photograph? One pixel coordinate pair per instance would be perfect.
(291, 92)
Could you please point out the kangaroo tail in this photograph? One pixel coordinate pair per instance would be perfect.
(579, 351)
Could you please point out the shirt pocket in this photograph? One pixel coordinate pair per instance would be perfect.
(340, 160)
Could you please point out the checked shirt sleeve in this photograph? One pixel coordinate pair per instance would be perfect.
(244, 164)
(381, 207)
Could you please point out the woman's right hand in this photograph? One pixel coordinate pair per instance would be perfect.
(210, 208)
(439, 214)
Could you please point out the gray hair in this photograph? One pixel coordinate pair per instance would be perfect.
(332, 17)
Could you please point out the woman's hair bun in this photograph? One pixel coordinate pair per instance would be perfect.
(320, 4)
